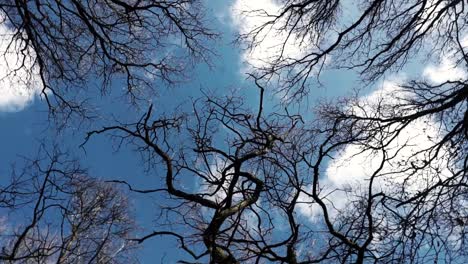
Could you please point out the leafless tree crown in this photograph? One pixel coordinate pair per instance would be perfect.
(240, 181)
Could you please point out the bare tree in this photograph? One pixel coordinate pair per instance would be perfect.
(231, 177)
(256, 173)
(412, 206)
(73, 44)
(58, 214)
(243, 184)
(371, 37)
(422, 205)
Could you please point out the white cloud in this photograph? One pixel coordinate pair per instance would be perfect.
(248, 15)
(18, 87)
(447, 69)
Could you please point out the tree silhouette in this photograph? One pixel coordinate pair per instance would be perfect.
(74, 43)
(67, 216)
(367, 179)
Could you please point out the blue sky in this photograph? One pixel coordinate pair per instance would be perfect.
(23, 128)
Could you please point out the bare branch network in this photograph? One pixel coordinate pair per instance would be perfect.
(380, 178)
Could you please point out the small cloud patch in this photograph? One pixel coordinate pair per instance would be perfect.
(18, 79)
